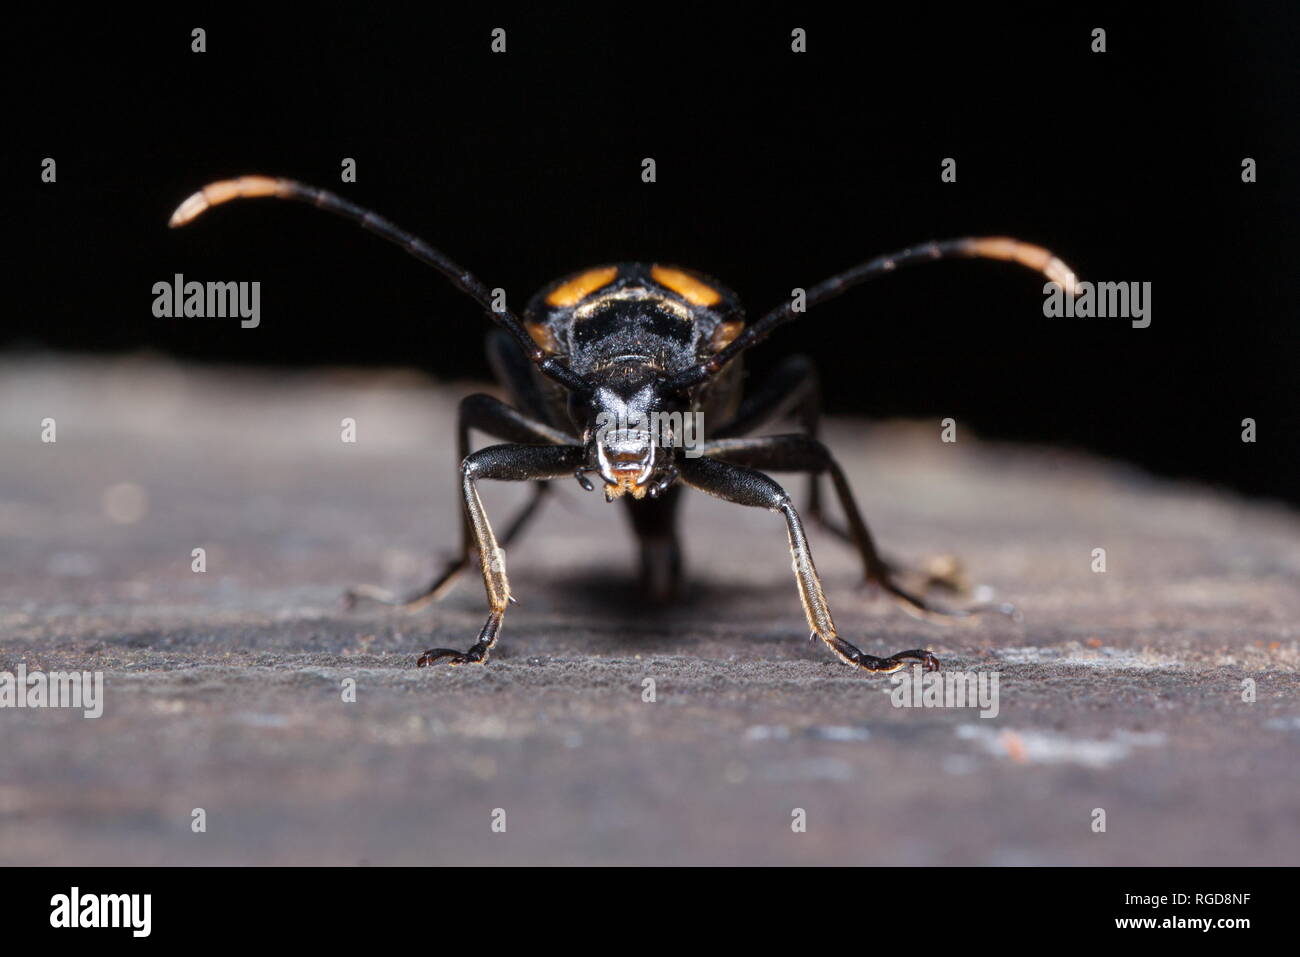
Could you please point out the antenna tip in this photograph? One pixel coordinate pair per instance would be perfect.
(1026, 254)
(222, 191)
(186, 211)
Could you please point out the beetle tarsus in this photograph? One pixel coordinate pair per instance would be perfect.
(882, 666)
(475, 655)
(897, 662)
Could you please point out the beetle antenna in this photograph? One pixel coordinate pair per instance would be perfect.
(251, 187)
(972, 247)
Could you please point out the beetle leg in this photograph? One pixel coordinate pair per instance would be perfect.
(654, 520)
(745, 486)
(514, 371)
(490, 415)
(791, 390)
(451, 572)
(805, 453)
(505, 463)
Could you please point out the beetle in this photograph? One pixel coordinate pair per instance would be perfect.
(599, 355)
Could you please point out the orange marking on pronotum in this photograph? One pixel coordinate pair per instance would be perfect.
(581, 286)
(214, 194)
(694, 291)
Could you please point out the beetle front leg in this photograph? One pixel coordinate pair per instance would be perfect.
(745, 486)
(490, 415)
(506, 463)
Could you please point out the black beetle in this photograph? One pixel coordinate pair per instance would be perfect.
(612, 372)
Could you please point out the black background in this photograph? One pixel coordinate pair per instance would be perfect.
(231, 907)
(774, 170)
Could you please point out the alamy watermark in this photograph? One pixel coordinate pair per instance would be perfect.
(946, 689)
(665, 430)
(211, 300)
(1099, 300)
(58, 689)
(75, 909)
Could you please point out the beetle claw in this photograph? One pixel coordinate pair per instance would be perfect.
(452, 657)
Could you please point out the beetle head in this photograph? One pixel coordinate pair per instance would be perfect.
(629, 443)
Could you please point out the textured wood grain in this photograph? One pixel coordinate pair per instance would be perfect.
(1120, 690)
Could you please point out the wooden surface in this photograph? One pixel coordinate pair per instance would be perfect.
(1120, 691)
